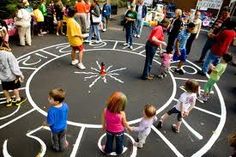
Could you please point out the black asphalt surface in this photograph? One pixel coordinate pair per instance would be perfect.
(47, 65)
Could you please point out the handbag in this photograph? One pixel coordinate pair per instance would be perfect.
(96, 19)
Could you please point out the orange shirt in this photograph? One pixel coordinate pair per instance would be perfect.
(80, 7)
(87, 7)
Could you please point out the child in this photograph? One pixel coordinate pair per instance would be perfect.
(130, 18)
(232, 143)
(75, 38)
(165, 63)
(180, 47)
(144, 128)
(4, 36)
(114, 122)
(183, 107)
(39, 19)
(216, 72)
(57, 118)
(106, 13)
(11, 76)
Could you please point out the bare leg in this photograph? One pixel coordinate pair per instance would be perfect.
(7, 95)
(73, 54)
(17, 94)
(178, 124)
(81, 53)
(164, 117)
(180, 64)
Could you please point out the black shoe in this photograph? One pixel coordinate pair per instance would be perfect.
(179, 71)
(174, 129)
(159, 125)
(200, 72)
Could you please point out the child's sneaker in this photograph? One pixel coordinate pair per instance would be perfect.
(21, 101)
(125, 44)
(159, 125)
(160, 76)
(174, 129)
(81, 66)
(138, 145)
(9, 103)
(74, 62)
(203, 98)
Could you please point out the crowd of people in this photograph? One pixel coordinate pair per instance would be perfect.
(86, 17)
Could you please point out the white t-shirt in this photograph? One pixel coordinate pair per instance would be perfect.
(187, 99)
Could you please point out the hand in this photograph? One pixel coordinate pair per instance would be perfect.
(164, 43)
(178, 53)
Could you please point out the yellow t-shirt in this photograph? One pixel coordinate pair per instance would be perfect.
(38, 15)
(73, 29)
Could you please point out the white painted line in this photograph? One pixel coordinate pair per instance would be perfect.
(89, 77)
(24, 61)
(92, 68)
(22, 88)
(40, 55)
(185, 79)
(109, 68)
(92, 84)
(49, 53)
(15, 119)
(116, 79)
(28, 68)
(43, 145)
(120, 69)
(89, 73)
(134, 152)
(137, 48)
(208, 112)
(169, 144)
(5, 117)
(99, 66)
(125, 47)
(77, 143)
(194, 132)
(141, 52)
(4, 149)
(114, 47)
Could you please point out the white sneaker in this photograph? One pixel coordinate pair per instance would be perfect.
(135, 35)
(125, 44)
(98, 41)
(131, 47)
(138, 36)
(81, 66)
(74, 62)
(104, 30)
(87, 41)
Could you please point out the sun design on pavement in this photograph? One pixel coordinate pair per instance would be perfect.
(103, 74)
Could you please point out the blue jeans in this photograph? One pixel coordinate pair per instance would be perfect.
(150, 52)
(119, 137)
(129, 34)
(138, 26)
(94, 30)
(206, 48)
(211, 58)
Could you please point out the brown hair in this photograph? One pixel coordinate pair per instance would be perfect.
(192, 86)
(116, 102)
(232, 140)
(58, 94)
(149, 110)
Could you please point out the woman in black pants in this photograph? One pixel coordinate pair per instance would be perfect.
(174, 29)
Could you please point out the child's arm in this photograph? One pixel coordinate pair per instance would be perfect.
(177, 47)
(124, 121)
(191, 107)
(182, 109)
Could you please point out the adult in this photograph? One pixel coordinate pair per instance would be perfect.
(195, 33)
(87, 10)
(216, 28)
(50, 17)
(59, 9)
(220, 46)
(95, 17)
(80, 15)
(106, 14)
(23, 19)
(155, 40)
(141, 10)
(174, 29)
(43, 9)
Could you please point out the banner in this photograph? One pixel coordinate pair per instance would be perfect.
(209, 4)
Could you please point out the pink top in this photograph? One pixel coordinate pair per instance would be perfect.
(166, 59)
(113, 122)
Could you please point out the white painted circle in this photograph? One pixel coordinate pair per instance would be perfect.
(188, 66)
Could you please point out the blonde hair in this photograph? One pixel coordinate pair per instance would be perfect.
(116, 102)
(179, 12)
